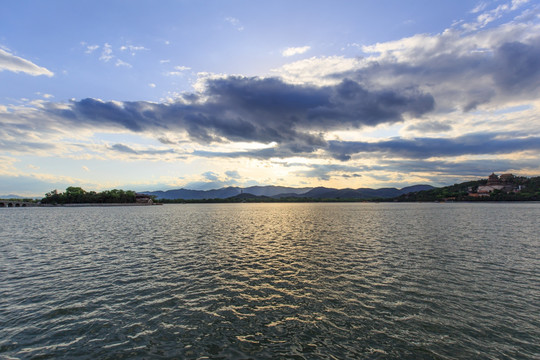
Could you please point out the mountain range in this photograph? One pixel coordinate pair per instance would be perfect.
(286, 192)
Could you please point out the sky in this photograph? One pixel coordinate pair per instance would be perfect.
(146, 95)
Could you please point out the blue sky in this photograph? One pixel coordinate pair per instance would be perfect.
(202, 94)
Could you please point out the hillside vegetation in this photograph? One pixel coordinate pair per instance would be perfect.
(530, 191)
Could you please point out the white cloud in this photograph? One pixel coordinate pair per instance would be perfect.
(17, 64)
(486, 17)
(480, 7)
(295, 50)
(45, 96)
(518, 3)
(91, 48)
(235, 22)
(132, 48)
(107, 53)
(122, 63)
(164, 61)
(316, 70)
(179, 71)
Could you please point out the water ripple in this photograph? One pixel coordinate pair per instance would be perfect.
(294, 281)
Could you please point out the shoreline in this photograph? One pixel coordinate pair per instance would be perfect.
(98, 205)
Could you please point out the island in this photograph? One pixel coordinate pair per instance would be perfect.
(76, 196)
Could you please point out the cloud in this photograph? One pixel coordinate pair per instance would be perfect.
(455, 84)
(17, 64)
(123, 148)
(179, 71)
(256, 110)
(122, 63)
(210, 175)
(91, 48)
(461, 70)
(233, 174)
(425, 148)
(24, 145)
(480, 7)
(429, 126)
(235, 23)
(295, 51)
(326, 171)
(486, 17)
(519, 67)
(319, 71)
(129, 150)
(460, 169)
(133, 49)
(106, 53)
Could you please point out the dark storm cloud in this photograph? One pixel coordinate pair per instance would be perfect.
(430, 126)
(518, 66)
(462, 75)
(416, 148)
(462, 168)
(256, 109)
(424, 148)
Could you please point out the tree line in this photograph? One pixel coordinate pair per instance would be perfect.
(77, 195)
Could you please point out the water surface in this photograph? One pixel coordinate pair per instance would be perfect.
(300, 281)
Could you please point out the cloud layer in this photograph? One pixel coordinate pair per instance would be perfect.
(256, 110)
(17, 64)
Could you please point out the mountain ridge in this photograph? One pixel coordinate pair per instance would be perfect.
(285, 192)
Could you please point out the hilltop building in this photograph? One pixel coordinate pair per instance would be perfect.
(504, 183)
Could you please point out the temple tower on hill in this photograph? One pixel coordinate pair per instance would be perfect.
(493, 180)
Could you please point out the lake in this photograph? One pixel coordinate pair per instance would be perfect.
(261, 281)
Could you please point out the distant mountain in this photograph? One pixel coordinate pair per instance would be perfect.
(362, 193)
(12, 197)
(286, 192)
(224, 193)
(274, 190)
(415, 188)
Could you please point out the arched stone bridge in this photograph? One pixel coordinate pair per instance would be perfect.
(15, 203)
